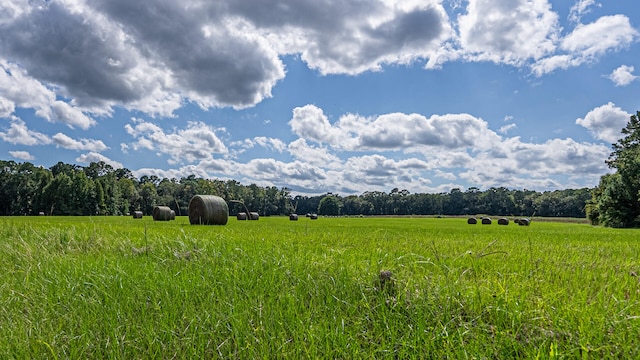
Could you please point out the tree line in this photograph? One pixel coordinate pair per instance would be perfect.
(99, 189)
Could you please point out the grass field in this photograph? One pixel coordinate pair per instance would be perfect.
(119, 288)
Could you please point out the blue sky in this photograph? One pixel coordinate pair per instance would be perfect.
(323, 95)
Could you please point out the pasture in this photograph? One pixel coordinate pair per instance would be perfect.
(117, 287)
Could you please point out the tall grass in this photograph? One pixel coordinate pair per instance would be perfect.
(112, 288)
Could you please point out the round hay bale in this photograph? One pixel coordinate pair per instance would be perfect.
(293, 217)
(172, 215)
(208, 210)
(254, 216)
(161, 213)
(524, 222)
(137, 214)
(503, 221)
(472, 221)
(313, 216)
(486, 221)
(241, 216)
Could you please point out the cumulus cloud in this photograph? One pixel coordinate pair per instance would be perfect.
(511, 32)
(17, 89)
(586, 43)
(392, 131)
(19, 134)
(517, 164)
(7, 107)
(270, 143)
(157, 56)
(623, 75)
(314, 155)
(198, 141)
(22, 155)
(605, 122)
(66, 142)
(456, 147)
(87, 60)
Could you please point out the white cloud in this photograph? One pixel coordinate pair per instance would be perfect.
(396, 131)
(7, 107)
(95, 157)
(22, 155)
(506, 128)
(66, 142)
(588, 42)
(157, 57)
(196, 142)
(516, 164)
(511, 32)
(623, 75)
(314, 155)
(71, 116)
(579, 9)
(458, 146)
(310, 122)
(270, 143)
(17, 89)
(606, 33)
(605, 122)
(19, 134)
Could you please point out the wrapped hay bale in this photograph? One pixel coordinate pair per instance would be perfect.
(241, 216)
(254, 216)
(472, 221)
(524, 222)
(486, 221)
(503, 221)
(172, 215)
(161, 213)
(208, 210)
(137, 214)
(293, 217)
(313, 216)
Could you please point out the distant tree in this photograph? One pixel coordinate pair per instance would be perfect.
(329, 205)
(616, 200)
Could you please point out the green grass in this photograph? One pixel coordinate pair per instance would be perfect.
(115, 288)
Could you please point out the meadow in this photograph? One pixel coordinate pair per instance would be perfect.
(340, 288)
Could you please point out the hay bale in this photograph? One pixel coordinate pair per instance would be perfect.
(524, 222)
(293, 217)
(516, 220)
(137, 214)
(486, 221)
(503, 221)
(172, 215)
(313, 216)
(472, 221)
(208, 210)
(241, 216)
(254, 216)
(161, 213)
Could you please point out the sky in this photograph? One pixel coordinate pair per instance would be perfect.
(341, 96)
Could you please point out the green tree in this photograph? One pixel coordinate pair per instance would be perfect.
(329, 205)
(148, 197)
(616, 200)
